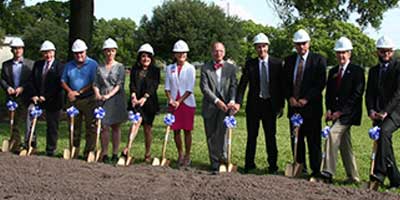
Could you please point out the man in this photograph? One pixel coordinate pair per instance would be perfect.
(218, 84)
(15, 75)
(304, 82)
(77, 80)
(47, 91)
(343, 100)
(383, 105)
(264, 101)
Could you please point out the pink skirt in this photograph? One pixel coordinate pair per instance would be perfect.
(184, 117)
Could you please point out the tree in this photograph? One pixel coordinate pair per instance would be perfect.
(121, 30)
(368, 12)
(195, 22)
(81, 21)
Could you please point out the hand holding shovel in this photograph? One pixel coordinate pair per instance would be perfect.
(136, 120)
(169, 119)
(70, 153)
(230, 123)
(294, 169)
(8, 144)
(35, 112)
(94, 156)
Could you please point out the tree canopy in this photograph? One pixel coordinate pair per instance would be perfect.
(366, 12)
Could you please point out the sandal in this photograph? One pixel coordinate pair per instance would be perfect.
(180, 161)
(187, 162)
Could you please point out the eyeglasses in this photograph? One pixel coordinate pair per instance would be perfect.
(384, 51)
(300, 43)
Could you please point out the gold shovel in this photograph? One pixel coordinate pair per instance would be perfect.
(32, 131)
(8, 144)
(294, 169)
(70, 153)
(95, 155)
(229, 167)
(164, 160)
(126, 160)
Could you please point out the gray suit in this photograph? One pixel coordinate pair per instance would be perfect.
(213, 116)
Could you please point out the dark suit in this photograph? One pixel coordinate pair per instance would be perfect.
(258, 108)
(149, 85)
(50, 88)
(383, 95)
(312, 84)
(348, 97)
(213, 116)
(7, 81)
(344, 94)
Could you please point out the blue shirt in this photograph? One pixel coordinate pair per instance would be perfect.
(297, 64)
(78, 77)
(16, 69)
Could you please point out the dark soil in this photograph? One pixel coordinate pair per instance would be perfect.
(39, 177)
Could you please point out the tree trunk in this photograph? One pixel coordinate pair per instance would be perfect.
(81, 22)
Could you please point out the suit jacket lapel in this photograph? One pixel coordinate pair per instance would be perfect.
(10, 73)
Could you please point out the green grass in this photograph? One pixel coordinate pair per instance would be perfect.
(362, 145)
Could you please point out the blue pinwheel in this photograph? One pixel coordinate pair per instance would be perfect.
(325, 132)
(296, 120)
(99, 112)
(230, 121)
(35, 112)
(169, 119)
(11, 105)
(374, 133)
(134, 117)
(72, 111)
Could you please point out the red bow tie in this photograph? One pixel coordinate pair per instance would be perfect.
(218, 65)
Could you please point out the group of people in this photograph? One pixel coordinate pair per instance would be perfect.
(300, 79)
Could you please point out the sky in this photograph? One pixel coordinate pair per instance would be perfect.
(259, 11)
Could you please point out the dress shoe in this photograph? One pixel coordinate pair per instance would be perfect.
(326, 177)
(351, 180)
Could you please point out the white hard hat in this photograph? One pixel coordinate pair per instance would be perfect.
(17, 42)
(385, 42)
(180, 47)
(47, 46)
(79, 46)
(110, 44)
(261, 38)
(146, 48)
(343, 44)
(301, 36)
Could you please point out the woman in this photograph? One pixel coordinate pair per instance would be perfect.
(108, 87)
(179, 84)
(144, 81)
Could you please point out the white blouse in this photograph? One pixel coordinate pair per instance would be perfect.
(182, 83)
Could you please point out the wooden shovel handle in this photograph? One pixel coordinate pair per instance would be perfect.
(164, 148)
(133, 134)
(373, 155)
(296, 141)
(31, 132)
(229, 146)
(71, 132)
(98, 133)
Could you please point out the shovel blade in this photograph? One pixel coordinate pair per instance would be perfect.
(222, 168)
(121, 161)
(232, 168)
(66, 154)
(98, 153)
(293, 170)
(165, 162)
(91, 157)
(156, 162)
(24, 152)
(6, 146)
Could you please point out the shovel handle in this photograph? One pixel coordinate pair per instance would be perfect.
(31, 132)
(98, 133)
(229, 146)
(71, 132)
(374, 148)
(296, 138)
(133, 134)
(164, 148)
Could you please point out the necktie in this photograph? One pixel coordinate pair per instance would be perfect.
(264, 81)
(297, 82)
(46, 68)
(339, 77)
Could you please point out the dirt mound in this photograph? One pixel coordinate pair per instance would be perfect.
(38, 177)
